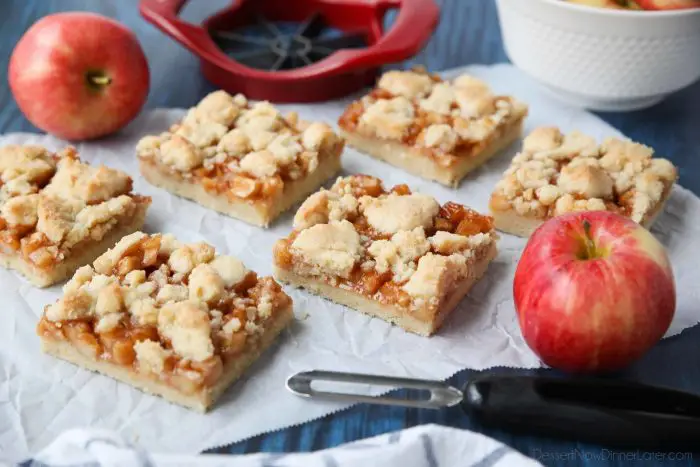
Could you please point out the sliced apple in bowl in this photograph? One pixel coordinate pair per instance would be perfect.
(668, 4)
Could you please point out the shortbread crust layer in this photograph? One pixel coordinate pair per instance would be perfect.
(256, 213)
(414, 161)
(515, 224)
(417, 323)
(201, 401)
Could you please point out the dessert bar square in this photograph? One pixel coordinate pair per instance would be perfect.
(396, 255)
(243, 160)
(58, 213)
(556, 173)
(171, 319)
(437, 129)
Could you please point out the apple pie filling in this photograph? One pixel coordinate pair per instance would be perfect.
(556, 173)
(445, 120)
(240, 150)
(52, 205)
(395, 247)
(173, 312)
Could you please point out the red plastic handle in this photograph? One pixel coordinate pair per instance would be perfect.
(165, 7)
(164, 15)
(414, 25)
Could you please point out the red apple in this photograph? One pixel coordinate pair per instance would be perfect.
(668, 4)
(593, 291)
(79, 75)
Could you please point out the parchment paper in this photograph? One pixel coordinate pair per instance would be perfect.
(41, 396)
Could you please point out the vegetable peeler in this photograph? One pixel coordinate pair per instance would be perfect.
(618, 414)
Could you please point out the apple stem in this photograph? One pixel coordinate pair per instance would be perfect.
(98, 79)
(101, 80)
(590, 246)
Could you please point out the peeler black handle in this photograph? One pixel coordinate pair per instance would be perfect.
(611, 413)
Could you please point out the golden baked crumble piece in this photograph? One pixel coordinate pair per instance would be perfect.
(393, 254)
(245, 160)
(431, 127)
(555, 173)
(172, 319)
(58, 213)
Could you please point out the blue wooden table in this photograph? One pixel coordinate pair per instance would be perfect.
(468, 33)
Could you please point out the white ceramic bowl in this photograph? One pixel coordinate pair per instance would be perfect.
(602, 59)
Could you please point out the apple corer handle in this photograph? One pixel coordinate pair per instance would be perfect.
(611, 413)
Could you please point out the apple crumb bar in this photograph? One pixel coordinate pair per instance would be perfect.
(394, 254)
(241, 159)
(171, 319)
(437, 129)
(58, 213)
(555, 173)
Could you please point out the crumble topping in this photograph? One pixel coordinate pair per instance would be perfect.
(440, 100)
(332, 248)
(184, 258)
(405, 84)
(435, 274)
(151, 356)
(230, 269)
(160, 306)
(205, 284)
(235, 143)
(447, 243)
(21, 210)
(439, 136)
(79, 181)
(556, 173)
(260, 164)
(202, 135)
(181, 154)
(244, 150)
(24, 169)
(445, 118)
(393, 213)
(471, 82)
(474, 102)
(588, 181)
(388, 118)
(359, 236)
(399, 254)
(186, 325)
(324, 206)
(51, 202)
(217, 108)
(170, 292)
(314, 136)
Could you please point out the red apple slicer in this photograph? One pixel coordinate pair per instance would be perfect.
(298, 50)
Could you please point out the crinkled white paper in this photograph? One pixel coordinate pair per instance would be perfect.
(41, 396)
